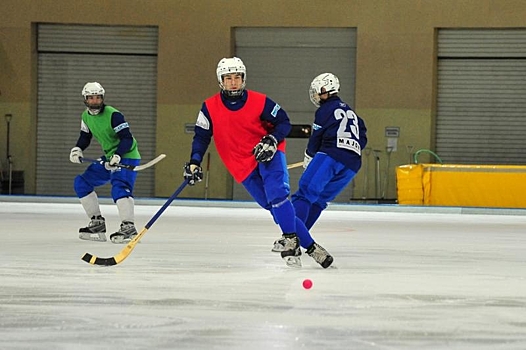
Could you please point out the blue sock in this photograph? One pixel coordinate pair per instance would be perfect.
(302, 208)
(283, 215)
(303, 234)
(314, 214)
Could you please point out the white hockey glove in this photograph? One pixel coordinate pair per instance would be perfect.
(306, 160)
(193, 173)
(265, 149)
(111, 165)
(75, 156)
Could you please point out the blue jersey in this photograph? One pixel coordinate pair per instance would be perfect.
(339, 132)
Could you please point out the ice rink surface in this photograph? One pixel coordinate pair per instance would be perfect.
(205, 278)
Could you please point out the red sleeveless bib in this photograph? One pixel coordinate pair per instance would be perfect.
(237, 132)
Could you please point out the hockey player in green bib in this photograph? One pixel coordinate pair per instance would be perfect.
(108, 126)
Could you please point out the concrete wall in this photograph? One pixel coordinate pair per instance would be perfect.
(396, 64)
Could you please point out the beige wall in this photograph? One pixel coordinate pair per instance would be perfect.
(395, 64)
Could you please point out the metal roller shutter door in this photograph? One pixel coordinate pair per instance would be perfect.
(281, 62)
(481, 115)
(124, 61)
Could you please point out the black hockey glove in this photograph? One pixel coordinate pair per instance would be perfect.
(265, 149)
(193, 172)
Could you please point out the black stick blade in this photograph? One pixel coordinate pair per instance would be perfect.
(93, 260)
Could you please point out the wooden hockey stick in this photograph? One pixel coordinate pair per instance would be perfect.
(295, 165)
(131, 167)
(126, 251)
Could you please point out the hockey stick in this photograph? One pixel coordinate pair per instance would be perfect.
(295, 165)
(207, 174)
(124, 253)
(131, 167)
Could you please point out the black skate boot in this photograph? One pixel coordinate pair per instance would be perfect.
(279, 245)
(126, 233)
(318, 253)
(291, 252)
(95, 231)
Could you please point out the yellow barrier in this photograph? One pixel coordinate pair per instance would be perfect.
(500, 186)
(409, 184)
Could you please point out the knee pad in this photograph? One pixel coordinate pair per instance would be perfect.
(119, 190)
(276, 203)
(82, 187)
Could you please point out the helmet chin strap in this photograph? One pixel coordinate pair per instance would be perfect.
(234, 93)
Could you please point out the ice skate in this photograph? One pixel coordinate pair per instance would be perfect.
(95, 231)
(291, 252)
(320, 255)
(279, 245)
(125, 234)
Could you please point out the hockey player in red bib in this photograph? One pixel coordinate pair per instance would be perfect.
(249, 131)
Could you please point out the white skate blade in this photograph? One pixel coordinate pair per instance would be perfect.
(95, 237)
(119, 239)
(293, 261)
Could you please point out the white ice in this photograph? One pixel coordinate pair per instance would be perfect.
(203, 277)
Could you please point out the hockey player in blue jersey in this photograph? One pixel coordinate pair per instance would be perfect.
(334, 151)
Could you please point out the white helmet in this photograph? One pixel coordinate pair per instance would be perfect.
(93, 89)
(328, 81)
(231, 65)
